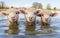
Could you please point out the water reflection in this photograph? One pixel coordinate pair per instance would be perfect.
(46, 29)
(30, 27)
(13, 28)
(44, 25)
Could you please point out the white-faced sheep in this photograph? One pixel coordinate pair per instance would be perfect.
(12, 15)
(45, 17)
(29, 16)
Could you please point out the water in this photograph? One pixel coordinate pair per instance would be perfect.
(34, 33)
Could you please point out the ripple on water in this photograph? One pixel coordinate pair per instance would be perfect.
(55, 25)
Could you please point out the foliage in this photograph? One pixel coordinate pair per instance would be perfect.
(37, 5)
(54, 8)
(48, 7)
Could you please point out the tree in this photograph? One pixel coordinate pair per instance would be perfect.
(37, 5)
(12, 7)
(34, 5)
(2, 4)
(54, 8)
(40, 6)
(48, 7)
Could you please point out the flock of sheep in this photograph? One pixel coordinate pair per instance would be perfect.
(30, 16)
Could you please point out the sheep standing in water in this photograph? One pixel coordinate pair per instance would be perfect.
(45, 21)
(12, 15)
(29, 16)
(45, 17)
(30, 19)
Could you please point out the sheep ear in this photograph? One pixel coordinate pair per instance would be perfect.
(38, 13)
(4, 13)
(22, 11)
(53, 14)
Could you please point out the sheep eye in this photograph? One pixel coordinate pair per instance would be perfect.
(41, 15)
(17, 12)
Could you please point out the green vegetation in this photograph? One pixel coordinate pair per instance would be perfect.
(37, 5)
(54, 8)
(34, 5)
(48, 7)
(2, 5)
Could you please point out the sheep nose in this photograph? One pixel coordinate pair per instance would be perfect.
(46, 19)
(30, 18)
(12, 17)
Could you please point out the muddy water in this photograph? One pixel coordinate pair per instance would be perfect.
(35, 31)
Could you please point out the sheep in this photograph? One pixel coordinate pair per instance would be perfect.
(29, 16)
(12, 15)
(45, 17)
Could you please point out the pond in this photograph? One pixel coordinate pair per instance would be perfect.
(26, 32)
